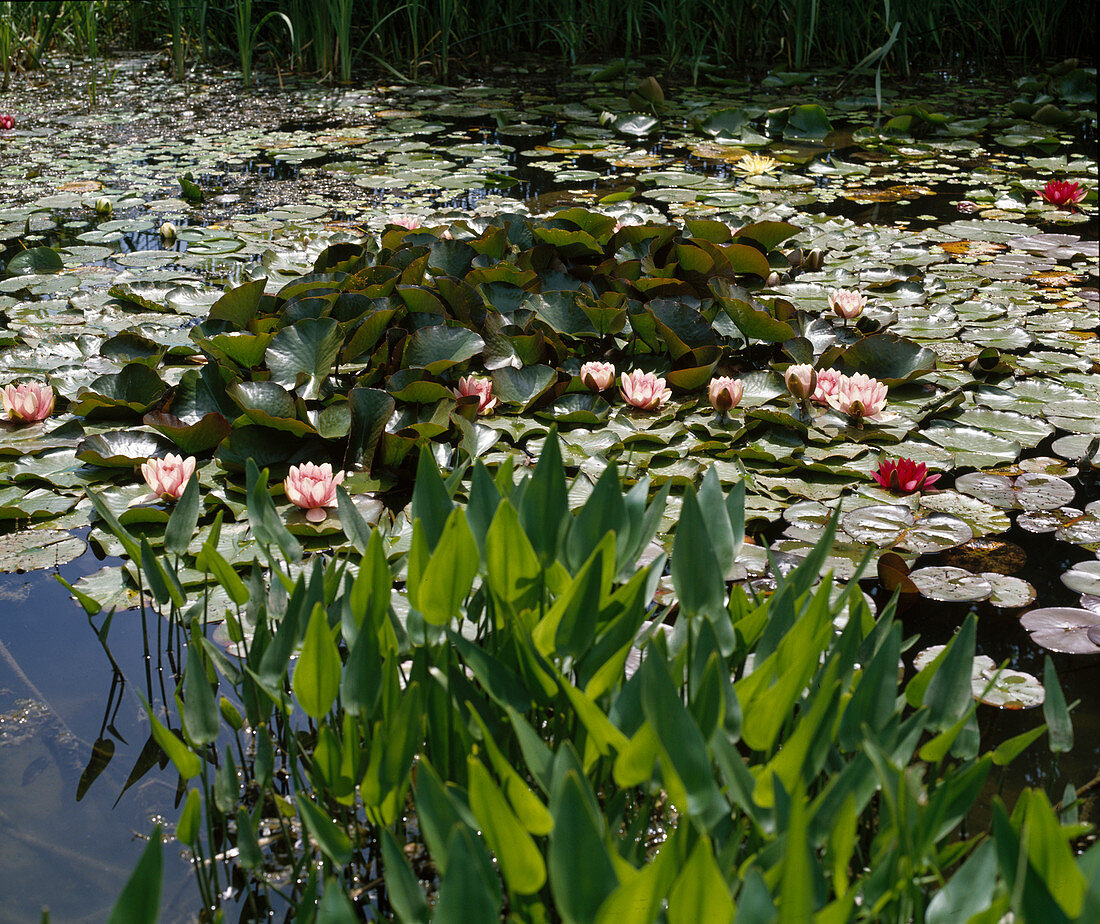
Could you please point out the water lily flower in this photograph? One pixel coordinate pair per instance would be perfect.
(7, 122)
(598, 376)
(904, 476)
(480, 386)
(827, 382)
(801, 380)
(167, 477)
(756, 165)
(411, 222)
(103, 206)
(725, 393)
(312, 488)
(847, 303)
(644, 390)
(27, 402)
(1061, 192)
(859, 396)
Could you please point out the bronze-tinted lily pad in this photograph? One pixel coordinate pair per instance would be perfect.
(1063, 628)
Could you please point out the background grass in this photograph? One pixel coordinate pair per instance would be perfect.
(425, 39)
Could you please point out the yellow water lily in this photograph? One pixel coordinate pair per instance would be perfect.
(756, 165)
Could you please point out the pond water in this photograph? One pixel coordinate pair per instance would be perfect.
(944, 227)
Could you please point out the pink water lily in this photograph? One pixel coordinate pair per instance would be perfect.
(904, 476)
(827, 382)
(7, 122)
(167, 477)
(410, 222)
(859, 396)
(725, 393)
(598, 376)
(312, 488)
(1061, 193)
(481, 387)
(27, 402)
(644, 390)
(847, 303)
(801, 380)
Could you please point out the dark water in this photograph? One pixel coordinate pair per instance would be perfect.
(61, 702)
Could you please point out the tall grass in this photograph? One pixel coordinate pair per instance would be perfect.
(434, 38)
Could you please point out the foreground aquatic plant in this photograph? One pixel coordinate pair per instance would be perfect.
(859, 396)
(1062, 193)
(756, 165)
(904, 476)
(372, 746)
(847, 304)
(167, 477)
(481, 387)
(27, 402)
(644, 390)
(725, 393)
(598, 376)
(313, 488)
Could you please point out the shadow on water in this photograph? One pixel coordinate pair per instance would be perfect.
(72, 733)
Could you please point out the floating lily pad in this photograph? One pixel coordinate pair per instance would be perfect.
(38, 548)
(122, 448)
(1084, 578)
(1063, 628)
(993, 685)
(888, 524)
(950, 585)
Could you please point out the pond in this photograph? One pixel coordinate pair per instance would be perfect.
(932, 211)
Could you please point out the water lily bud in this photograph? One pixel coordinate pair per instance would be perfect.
(772, 281)
(598, 376)
(815, 259)
(801, 380)
(725, 393)
(606, 118)
(168, 232)
(103, 206)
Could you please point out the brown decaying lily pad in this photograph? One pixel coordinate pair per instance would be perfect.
(1064, 628)
(972, 248)
(986, 554)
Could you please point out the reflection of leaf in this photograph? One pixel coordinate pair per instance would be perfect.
(150, 755)
(102, 752)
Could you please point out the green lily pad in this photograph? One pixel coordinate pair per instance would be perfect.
(33, 549)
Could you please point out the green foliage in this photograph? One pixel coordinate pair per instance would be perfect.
(569, 746)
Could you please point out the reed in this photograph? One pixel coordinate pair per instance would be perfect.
(333, 39)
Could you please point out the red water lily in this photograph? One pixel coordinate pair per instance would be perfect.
(904, 476)
(1061, 193)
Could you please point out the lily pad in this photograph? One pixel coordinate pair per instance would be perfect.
(950, 585)
(32, 549)
(1063, 628)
